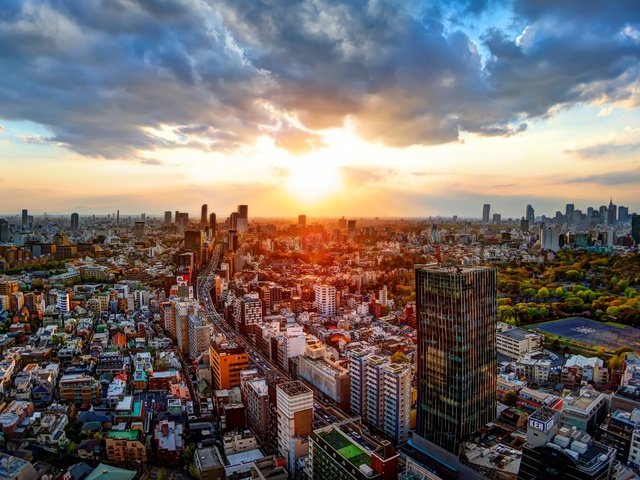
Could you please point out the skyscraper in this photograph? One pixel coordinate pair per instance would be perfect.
(568, 212)
(139, 230)
(4, 231)
(243, 218)
(294, 405)
(612, 211)
(75, 221)
(167, 217)
(212, 223)
(457, 362)
(635, 228)
(486, 211)
(25, 218)
(302, 220)
(203, 216)
(623, 214)
(530, 215)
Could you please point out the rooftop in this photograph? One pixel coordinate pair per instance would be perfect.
(208, 457)
(107, 472)
(517, 333)
(294, 388)
(345, 447)
(124, 434)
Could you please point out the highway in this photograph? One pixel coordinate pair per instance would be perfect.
(324, 413)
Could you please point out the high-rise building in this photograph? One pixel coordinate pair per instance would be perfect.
(194, 240)
(212, 223)
(603, 214)
(486, 212)
(75, 221)
(247, 312)
(167, 217)
(635, 228)
(182, 327)
(294, 406)
(623, 214)
(612, 210)
(204, 219)
(325, 299)
(4, 231)
(139, 230)
(302, 220)
(568, 212)
(199, 336)
(25, 218)
(497, 218)
(351, 228)
(342, 223)
(530, 215)
(457, 381)
(243, 218)
(227, 361)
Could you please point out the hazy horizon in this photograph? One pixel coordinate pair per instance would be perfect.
(323, 107)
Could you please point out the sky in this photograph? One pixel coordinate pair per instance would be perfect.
(324, 107)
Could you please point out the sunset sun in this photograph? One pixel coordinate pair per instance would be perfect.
(311, 182)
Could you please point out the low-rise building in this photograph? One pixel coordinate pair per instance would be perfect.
(585, 411)
(169, 441)
(515, 342)
(79, 388)
(209, 463)
(126, 447)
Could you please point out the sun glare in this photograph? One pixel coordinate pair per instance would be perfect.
(313, 181)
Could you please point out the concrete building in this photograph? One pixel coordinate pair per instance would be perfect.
(325, 300)
(335, 454)
(553, 452)
(209, 463)
(199, 336)
(396, 420)
(258, 411)
(227, 361)
(294, 406)
(126, 448)
(585, 411)
(80, 388)
(516, 342)
(15, 468)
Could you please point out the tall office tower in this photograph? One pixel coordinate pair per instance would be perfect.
(232, 240)
(497, 218)
(168, 313)
(212, 223)
(204, 219)
(227, 361)
(568, 212)
(351, 228)
(143, 216)
(302, 220)
(199, 336)
(233, 221)
(530, 216)
(4, 231)
(486, 212)
(456, 309)
(75, 221)
(182, 220)
(603, 214)
(243, 218)
(167, 217)
(182, 327)
(175, 217)
(325, 299)
(623, 214)
(342, 223)
(294, 406)
(635, 228)
(117, 218)
(25, 218)
(612, 210)
(139, 230)
(193, 240)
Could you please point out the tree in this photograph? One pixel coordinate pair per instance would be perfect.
(510, 398)
(399, 357)
(72, 448)
(543, 293)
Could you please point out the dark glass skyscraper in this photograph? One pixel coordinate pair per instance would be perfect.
(75, 221)
(457, 363)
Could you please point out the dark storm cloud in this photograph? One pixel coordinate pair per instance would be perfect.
(104, 75)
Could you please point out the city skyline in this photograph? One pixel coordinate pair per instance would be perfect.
(391, 110)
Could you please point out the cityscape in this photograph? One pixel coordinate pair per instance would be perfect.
(319, 240)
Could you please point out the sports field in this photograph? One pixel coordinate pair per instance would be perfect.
(590, 332)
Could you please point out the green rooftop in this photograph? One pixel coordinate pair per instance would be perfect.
(124, 434)
(107, 472)
(346, 447)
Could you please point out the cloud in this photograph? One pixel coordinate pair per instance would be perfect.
(211, 76)
(611, 178)
(354, 176)
(605, 150)
(35, 139)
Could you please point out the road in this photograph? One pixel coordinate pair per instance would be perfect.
(324, 413)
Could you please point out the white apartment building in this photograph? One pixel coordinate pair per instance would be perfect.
(294, 405)
(515, 342)
(397, 401)
(199, 336)
(325, 300)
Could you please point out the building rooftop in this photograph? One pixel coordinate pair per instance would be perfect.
(208, 457)
(517, 333)
(124, 434)
(294, 388)
(107, 472)
(244, 457)
(345, 447)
